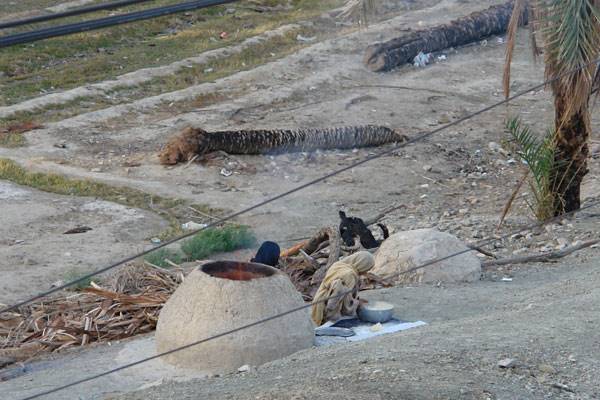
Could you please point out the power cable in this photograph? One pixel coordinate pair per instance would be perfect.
(77, 27)
(70, 13)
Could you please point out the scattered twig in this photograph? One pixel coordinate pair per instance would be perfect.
(172, 264)
(561, 386)
(191, 160)
(203, 213)
(543, 257)
(512, 198)
(294, 249)
(482, 251)
(416, 89)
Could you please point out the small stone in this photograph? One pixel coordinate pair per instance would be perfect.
(444, 119)
(96, 170)
(225, 172)
(57, 283)
(244, 368)
(507, 363)
(427, 168)
(562, 243)
(493, 146)
(547, 369)
(516, 236)
(155, 240)
(511, 161)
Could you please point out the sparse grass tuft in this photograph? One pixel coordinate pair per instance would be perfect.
(173, 210)
(12, 140)
(160, 256)
(54, 183)
(218, 240)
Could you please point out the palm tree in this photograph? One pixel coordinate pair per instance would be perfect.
(568, 34)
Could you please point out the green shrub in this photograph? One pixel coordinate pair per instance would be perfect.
(218, 240)
(159, 258)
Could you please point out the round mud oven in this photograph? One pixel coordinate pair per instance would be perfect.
(220, 296)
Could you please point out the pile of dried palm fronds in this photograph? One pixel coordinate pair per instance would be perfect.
(128, 306)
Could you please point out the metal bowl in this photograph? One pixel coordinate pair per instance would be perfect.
(376, 312)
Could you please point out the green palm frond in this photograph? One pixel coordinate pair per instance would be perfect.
(570, 31)
(538, 154)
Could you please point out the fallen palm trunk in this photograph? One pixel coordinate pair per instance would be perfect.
(474, 27)
(195, 141)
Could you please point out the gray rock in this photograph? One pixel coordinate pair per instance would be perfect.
(493, 146)
(406, 250)
(244, 368)
(507, 363)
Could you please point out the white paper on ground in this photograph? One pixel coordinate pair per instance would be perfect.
(363, 331)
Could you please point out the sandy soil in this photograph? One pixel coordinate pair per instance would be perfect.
(452, 181)
(35, 252)
(470, 328)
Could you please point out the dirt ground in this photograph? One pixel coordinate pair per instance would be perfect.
(35, 251)
(546, 318)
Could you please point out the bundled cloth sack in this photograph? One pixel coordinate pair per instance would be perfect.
(342, 277)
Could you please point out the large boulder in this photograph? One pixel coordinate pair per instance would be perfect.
(405, 250)
(221, 296)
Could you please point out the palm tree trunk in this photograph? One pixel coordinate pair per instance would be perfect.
(570, 156)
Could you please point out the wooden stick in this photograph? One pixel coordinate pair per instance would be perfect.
(172, 264)
(203, 214)
(191, 160)
(310, 260)
(543, 257)
(292, 251)
(512, 198)
(482, 251)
